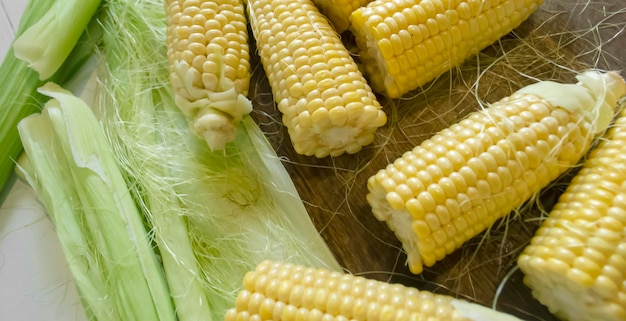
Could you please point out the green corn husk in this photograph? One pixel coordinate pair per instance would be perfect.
(214, 215)
(70, 165)
(18, 93)
(18, 85)
(47, 43)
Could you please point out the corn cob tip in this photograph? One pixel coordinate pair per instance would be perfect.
(608, 84)
(216, 118)
(594, 96)
(207, 48)
(214, 114)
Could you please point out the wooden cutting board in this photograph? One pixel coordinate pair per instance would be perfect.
(560, 34)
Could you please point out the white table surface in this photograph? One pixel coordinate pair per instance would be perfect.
(35, 284)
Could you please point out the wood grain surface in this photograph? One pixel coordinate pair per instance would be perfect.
(560, 38)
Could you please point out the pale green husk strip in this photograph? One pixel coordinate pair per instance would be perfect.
(71, 167)
(19, 82)
(18, 93)
(47, 43)
(238, 206)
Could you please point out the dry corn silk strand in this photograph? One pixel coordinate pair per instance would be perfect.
(552, 44)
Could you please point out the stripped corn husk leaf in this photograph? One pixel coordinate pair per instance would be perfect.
(213, 215)
(72, 168)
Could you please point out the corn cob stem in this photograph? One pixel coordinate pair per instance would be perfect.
(458, 183)
(283, 291)
(327, 105)
(405, 44)
(576, 262)
(209, 64)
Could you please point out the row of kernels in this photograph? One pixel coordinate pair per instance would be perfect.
(492, 184)
(583, 264)
(355, 297)
(307, 280)
(208, 38)
(254, 307)
(490, 161)
(422, 36)
(583, 236)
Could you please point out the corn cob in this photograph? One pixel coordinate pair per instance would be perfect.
(459, 182)
(327, 105)
(282, 292)
(207, 48)
(338, 12)
(576, 262)
(405, 44)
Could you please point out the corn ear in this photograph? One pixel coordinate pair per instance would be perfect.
(459, 182)
(405, 44)
(326, 103)
(286, 292)
(576, 262)
(207, 47)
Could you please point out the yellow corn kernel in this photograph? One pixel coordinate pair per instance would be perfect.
(508, 156)
(327, 105)
(576, 262)
(428, 36)
(308, 293)
(338, 11)
(207, 49)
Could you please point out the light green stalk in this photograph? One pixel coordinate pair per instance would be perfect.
(47, 43)
(71, 167)
(18, 84)
(238, 206)
(18, 94)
